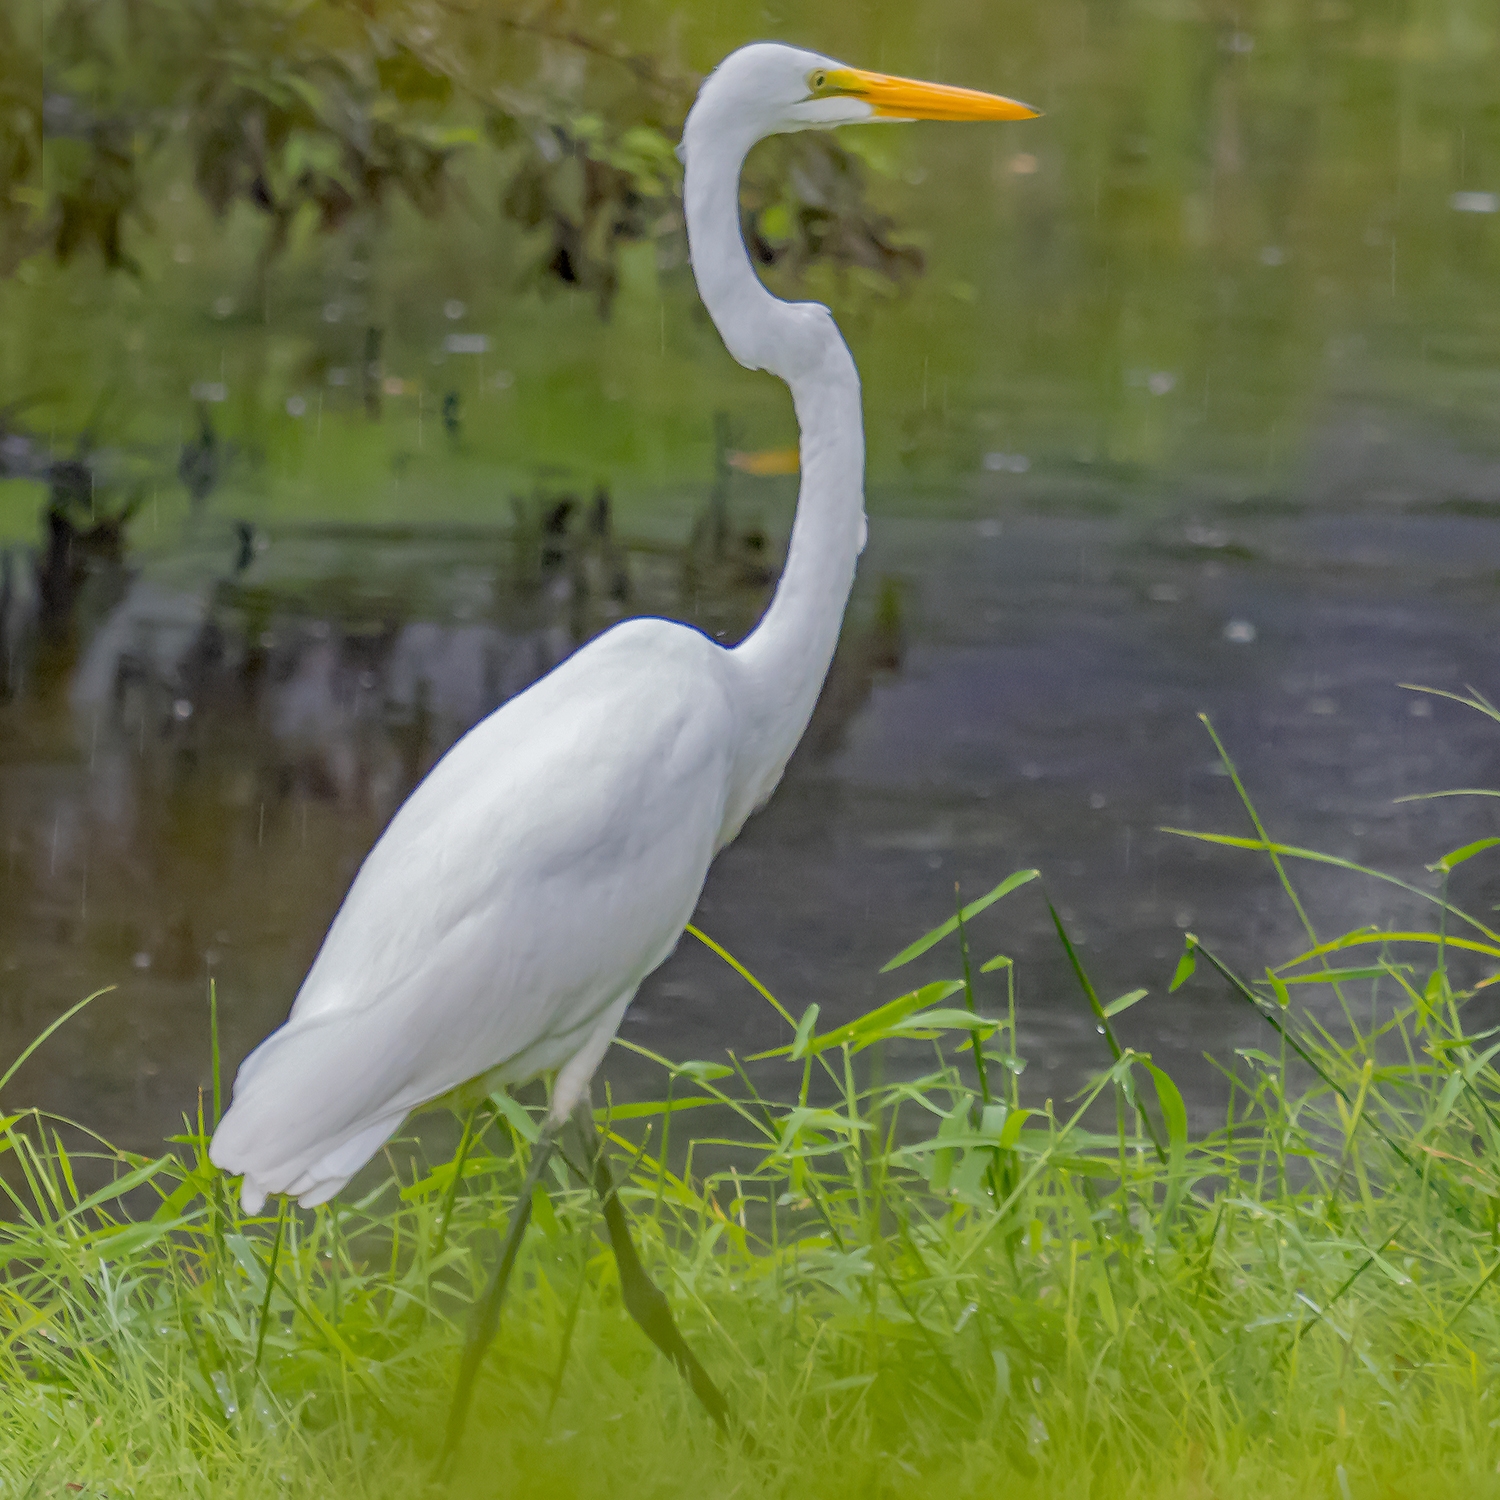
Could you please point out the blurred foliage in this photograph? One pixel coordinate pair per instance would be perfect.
(1239, 240)
(328, 109)
(21, 199)
(807, 203)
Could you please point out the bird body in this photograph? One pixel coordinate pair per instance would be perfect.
(553, 857)
(547, 864)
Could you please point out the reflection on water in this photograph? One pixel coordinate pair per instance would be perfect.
(193, 769)
(196, 758)
(1229, 220)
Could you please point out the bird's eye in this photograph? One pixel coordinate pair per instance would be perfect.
(819, 80)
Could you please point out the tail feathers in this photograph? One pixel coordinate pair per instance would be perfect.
(311, 1107)
(314, 1181)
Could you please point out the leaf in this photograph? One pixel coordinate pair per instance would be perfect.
(928, 1023)
(702, 1072)
(1088, 1166)
(1002, 1374)
(122, 1185)
(249, 1262)
(119, 1242)
(972, 1140)
(1450, 1093)
(542, 1213)
(808, 1117)
(955, 1127)
(1105, 1298)
(1185, 965)
(1373, 937)
(847, 1383)
(742, 971)
(999, 961)
(804, 1031)
(1458, 856)
(174, 1203)
(518, 1116)
(1254, 1054)
(1338, 976)
(1462, 791)
(1124, 1002)
(972, 910)
(648, 1107)
(1174, 1112)
(876, 1024)
(1472, 1069)
(1393, 1273)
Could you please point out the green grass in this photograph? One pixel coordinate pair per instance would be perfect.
(910, 1273)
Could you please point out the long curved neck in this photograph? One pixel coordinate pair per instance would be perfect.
(784, 661)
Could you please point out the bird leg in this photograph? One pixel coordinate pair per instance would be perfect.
(486, 1316)
(643, 1299)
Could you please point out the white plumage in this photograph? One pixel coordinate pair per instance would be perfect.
(552, 858)
(535, 864)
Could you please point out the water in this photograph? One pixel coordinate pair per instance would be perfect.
(1192, 409)
(190, 780)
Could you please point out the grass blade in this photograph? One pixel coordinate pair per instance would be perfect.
(62, 1020)
(972, 910)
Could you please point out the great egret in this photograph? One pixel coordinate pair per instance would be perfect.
(552, 858)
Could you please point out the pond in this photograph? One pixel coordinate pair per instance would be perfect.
(1191, 410)
(190, 785)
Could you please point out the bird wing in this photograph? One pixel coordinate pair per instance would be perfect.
(547, 863)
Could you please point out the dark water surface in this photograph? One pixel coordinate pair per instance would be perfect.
(190, 775)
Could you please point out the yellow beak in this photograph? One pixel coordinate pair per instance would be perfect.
(910, 99)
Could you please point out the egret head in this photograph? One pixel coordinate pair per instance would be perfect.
(769, 89)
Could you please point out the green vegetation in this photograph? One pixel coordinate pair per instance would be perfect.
(908, 1270)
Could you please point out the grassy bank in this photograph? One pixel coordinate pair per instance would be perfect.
(910, 1272)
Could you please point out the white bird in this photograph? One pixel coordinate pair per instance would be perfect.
(552, 858)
